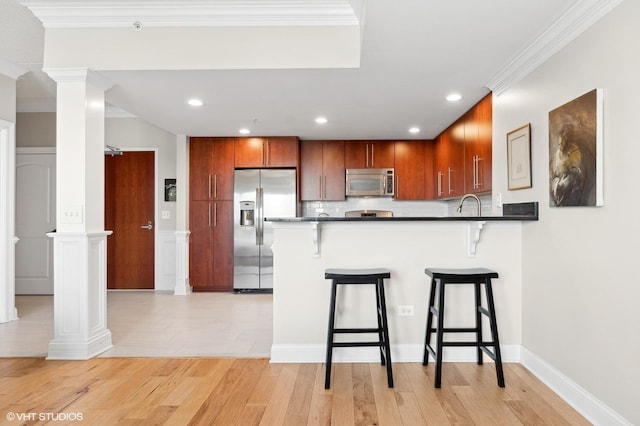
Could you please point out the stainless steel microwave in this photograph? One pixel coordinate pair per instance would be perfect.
(369, 182)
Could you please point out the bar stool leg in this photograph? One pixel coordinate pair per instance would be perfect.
(440, 333)
(380, 327)
(494, 332)
(332, 316)
(427, 339)
(478, 297)
(385, 331)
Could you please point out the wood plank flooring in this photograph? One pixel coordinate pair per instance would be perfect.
(251, 391)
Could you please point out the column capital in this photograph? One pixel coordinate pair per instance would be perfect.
(78, 74)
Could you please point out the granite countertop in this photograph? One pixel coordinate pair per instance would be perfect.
(402, 219)
(511, 212)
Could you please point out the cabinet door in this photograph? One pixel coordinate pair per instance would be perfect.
(223, 159)
(485, 144)
(200, 245)
(409, 170)
(441, 164)
(333, 185)
(455, 164)
(249, 152)
(470, 123)
(282, 152)
(261, 152)
(311, 178)
(222, 223)
(429, 170)
(369, 154)
(200, 168)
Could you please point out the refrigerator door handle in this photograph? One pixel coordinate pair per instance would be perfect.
(259, 216)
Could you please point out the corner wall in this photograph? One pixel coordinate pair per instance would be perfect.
(580, 293)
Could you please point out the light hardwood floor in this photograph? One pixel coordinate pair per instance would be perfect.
(250, 391)
(207, 363)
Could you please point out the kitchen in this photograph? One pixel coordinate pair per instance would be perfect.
(555, 251)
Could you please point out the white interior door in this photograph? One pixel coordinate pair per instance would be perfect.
(35, 216)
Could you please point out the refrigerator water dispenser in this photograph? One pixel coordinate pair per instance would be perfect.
(247, 209)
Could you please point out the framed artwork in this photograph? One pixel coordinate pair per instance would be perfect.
(519, 157)
(170, 190)
(576, 151)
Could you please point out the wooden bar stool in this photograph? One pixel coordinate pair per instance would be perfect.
(439, 280)
(359, 277)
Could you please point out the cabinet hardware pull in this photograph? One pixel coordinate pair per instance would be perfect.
(320, 183)
(209, 185)
(209, 216)
(440, 183)
(215, 186)
(215, 214)
(366, 161)
(478, 182)
(372, 156)
(449, 170)
(324, 197)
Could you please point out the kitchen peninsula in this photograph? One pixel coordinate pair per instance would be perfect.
(304, 247)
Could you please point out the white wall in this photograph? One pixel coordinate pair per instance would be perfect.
(581, 296)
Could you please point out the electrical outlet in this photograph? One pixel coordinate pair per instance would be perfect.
(405, 310)
(498, 200)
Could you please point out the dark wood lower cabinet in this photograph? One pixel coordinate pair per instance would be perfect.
(211, 245)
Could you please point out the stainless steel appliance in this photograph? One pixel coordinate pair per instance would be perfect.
(368, 213)
(369, 182)
(258, 193)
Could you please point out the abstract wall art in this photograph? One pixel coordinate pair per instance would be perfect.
(575, 152)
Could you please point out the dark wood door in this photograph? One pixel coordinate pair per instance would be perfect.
(200, 168)
(249, 152)
(200, 244)
(409, 170)
(282, 152)
(223, 158)
(129, 213)
(333, 185)
(222, 246)
(311, 170)
(485, 142)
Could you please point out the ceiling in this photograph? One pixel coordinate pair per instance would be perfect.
(413, 54)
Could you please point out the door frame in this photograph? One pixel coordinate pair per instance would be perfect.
(156, 249)
(8, 311)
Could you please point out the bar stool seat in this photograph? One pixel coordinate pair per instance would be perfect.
(376, 277)
(476, 276)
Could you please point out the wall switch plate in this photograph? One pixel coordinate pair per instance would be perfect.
(72, 215)
(405, 310)
(499, 199)
(166, 214)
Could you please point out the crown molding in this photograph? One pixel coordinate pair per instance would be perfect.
(570, 25)
(188, 13)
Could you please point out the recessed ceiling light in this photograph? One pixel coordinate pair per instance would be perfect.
(454, 97)
(244, 131)
(414, 130)
(195, 102)
(321, 120)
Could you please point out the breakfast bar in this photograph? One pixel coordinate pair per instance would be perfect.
(304, 247)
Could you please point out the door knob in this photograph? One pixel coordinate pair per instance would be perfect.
(149, 225)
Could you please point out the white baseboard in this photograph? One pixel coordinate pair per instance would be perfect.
(585, 403)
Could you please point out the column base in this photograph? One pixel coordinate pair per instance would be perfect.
(182, 287)
(80, 350)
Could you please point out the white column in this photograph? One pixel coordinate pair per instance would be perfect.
(8, 311)
(80, 254)
(182, 224)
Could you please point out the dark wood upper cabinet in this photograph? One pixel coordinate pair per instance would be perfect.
(410, 170)
(369, 154)
(267, 152)
(211, 168)
(478, 147)
(322, 170)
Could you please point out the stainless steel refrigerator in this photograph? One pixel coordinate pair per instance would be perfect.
(258, 193)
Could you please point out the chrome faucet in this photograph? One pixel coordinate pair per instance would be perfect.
(464, 197)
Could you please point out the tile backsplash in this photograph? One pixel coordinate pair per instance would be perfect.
(399, 208)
